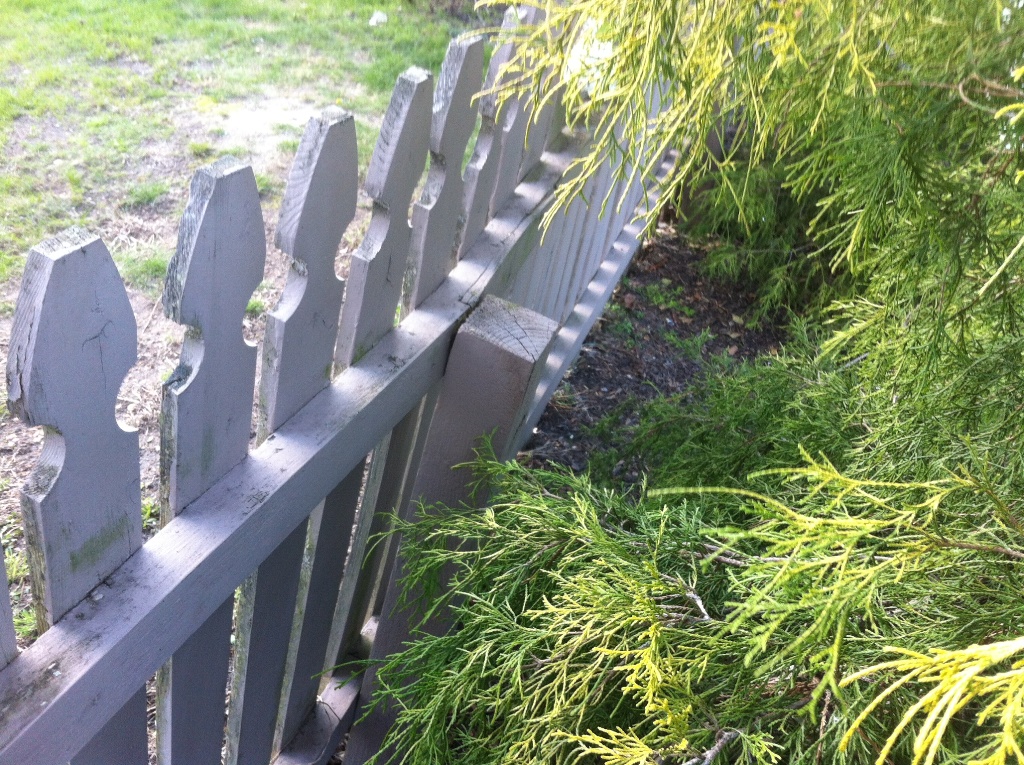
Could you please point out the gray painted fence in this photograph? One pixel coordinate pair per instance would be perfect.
(262, 572)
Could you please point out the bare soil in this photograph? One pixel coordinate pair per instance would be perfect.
(647, 346)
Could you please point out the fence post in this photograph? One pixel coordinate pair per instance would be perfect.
(492, 370)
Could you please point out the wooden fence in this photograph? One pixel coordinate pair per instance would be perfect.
(262, 576)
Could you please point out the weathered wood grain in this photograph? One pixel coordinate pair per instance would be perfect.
(207, 412)
(153, 602)
(493, 366)
(438, 213)
(72, 343)
(319, 203)
(377, 269)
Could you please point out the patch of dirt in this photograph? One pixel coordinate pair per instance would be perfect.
(664, 321)
(260, 125)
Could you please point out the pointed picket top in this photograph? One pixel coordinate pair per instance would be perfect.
(217, 266)
(482, 170)
(495, 68)
(436, 216)
(514, 126)
(73, 341)
(401, 150)
(319, 203)
(378, 267)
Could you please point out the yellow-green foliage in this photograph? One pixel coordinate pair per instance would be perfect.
(828, 566)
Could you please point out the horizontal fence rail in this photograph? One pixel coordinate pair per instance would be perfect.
(250, 603)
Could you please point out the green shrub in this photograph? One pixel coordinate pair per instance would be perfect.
(825, 566)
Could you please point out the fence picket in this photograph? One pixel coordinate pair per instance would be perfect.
(378, 267)
(331, 527)
(543, 264)
(593, 229)
(8, 639)
(568, 256)
(265, 604)
(583, 262)
(542, 131)
(369, 581)
(357, 555)
(436, 216)
(73, 314)
(298, 352)
(122, 741)
(318, 205)
(517, 123)
(482, 170)
(206, 423)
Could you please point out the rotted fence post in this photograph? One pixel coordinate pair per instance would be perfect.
(492, 371)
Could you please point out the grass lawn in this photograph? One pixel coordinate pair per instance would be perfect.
(107, 107)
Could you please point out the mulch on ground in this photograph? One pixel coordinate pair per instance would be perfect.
(664, 321)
